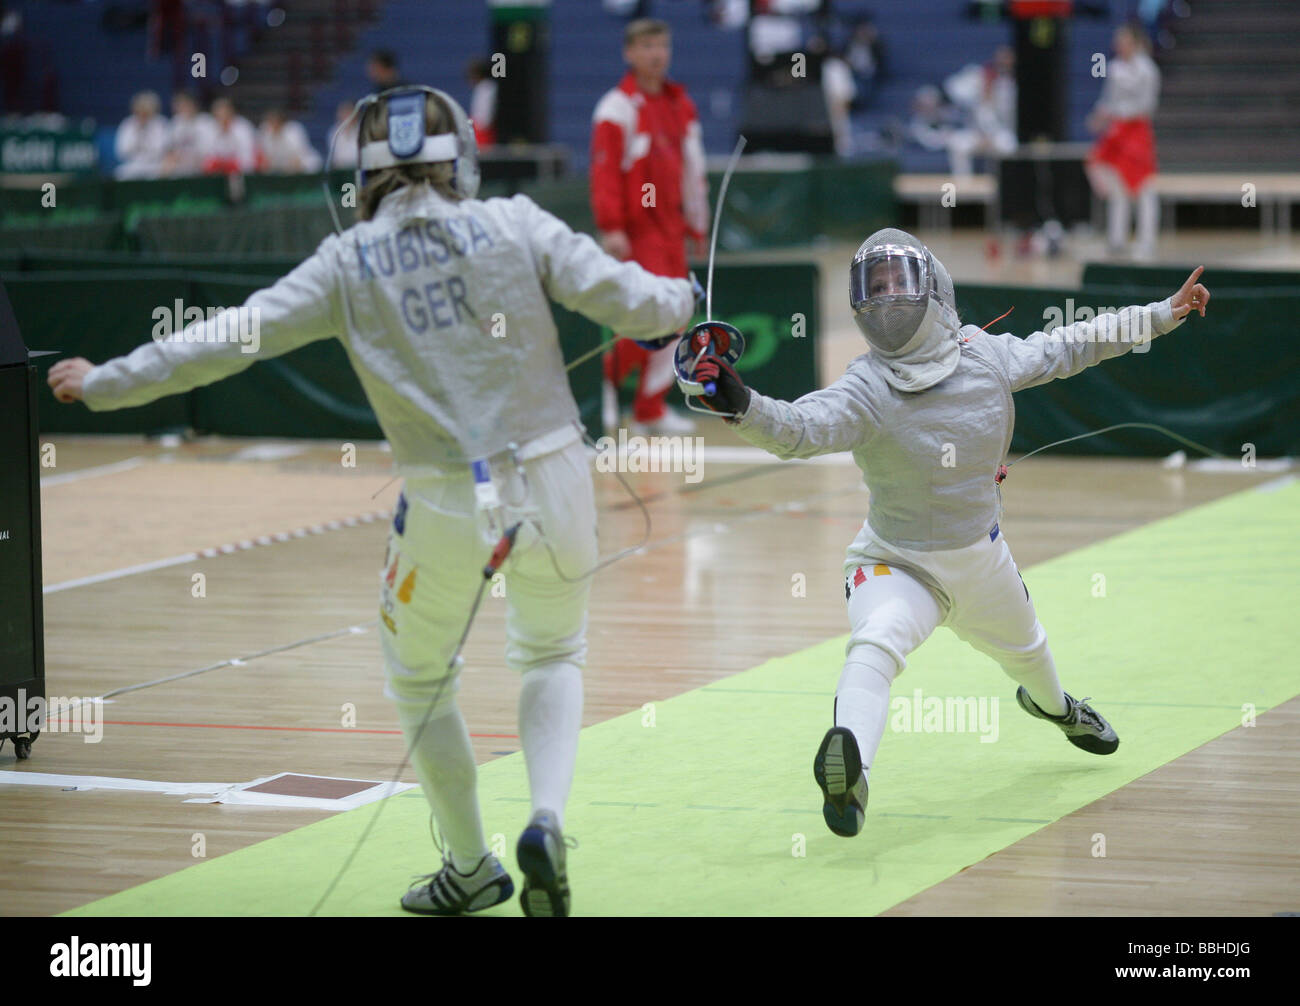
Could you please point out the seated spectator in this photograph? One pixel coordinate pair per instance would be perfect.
(142, 139)
(933, 120)
(232, 143)
(987, 94)
(344, 136)
(482, 102)
(285, 147)
(188, 136)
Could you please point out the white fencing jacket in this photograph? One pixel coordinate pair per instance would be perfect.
(929, 457)
(442, 308)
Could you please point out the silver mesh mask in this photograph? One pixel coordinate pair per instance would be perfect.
(891, 280)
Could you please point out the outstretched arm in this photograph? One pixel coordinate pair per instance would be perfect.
(1068, 350)
(837, 418)
(298, 309)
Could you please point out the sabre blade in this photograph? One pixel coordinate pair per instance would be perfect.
(717, 217)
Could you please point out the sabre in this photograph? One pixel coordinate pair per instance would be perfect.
(709, 336)
(717, 218)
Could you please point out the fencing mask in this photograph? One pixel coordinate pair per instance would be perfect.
(903, 302)
(408, 143)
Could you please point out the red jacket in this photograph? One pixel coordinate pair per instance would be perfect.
(641, 139)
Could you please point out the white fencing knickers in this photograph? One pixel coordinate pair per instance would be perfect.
(435, 563)
(897, 597)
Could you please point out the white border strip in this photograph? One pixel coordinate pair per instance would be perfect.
(90, 473)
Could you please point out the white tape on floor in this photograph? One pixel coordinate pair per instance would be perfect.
(211, 792)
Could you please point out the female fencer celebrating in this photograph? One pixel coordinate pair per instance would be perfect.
(441, 302)
(928, 416)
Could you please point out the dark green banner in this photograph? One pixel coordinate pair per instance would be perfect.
(1224, 381)
(313, 392)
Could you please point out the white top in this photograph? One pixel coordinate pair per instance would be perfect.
(483, 103)
(141, 147)
(1132, 88)
(929, 458)
(288, 151)
(187, 138)
(444, 311)
(237, 142)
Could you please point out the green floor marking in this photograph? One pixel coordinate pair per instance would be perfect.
(1197, 620)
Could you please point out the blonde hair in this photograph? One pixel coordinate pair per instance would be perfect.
(385, 181)
(645, 27)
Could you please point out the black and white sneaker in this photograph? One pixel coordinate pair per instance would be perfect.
(1082, 725)
(541, 856)
(838, 771)
(449, 892)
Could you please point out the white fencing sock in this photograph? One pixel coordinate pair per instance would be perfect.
(550, 716)
(443, 761)
(1036, 671)
(862, 698)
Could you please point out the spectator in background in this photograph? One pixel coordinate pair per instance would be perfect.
(284, 146)
(482, 103)
(987, 95)
(232, 143)
(1123, 162)
(839, 90)
(933, 120)
(648, 194)
(381, 69)
(142, 139)
(865, 54)
(188, 136)
(343, 137)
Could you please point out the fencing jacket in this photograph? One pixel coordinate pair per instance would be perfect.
(929, 457)
(442, 308)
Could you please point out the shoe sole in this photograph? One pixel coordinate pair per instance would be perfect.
(1094, 745)
(544, 893)
(837, 763)
(507, 891)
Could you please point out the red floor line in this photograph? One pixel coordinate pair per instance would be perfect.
(247, 726)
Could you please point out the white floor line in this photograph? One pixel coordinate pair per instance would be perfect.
(211, 553)
(90, 473)
(117, 574)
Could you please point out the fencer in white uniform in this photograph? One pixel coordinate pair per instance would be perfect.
(441, 301)
(928, 416)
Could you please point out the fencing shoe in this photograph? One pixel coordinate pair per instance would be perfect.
(838, 771)
(541, 856)
(1082, 725)
(450, 892)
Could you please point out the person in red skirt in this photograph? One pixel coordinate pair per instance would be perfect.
(1123, 162)
(648, 195)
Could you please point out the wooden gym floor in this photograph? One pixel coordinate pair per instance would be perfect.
(728, 544)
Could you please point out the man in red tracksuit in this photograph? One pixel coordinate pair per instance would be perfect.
(649, 194)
